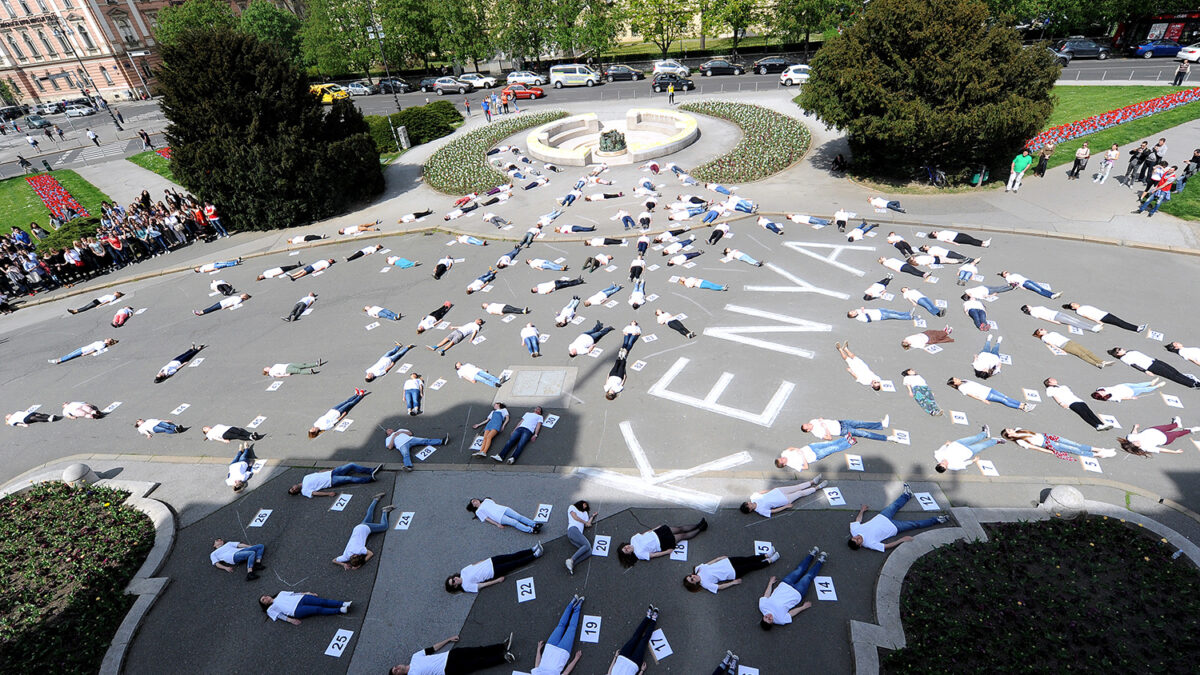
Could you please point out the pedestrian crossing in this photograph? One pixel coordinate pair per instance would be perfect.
(98, 154)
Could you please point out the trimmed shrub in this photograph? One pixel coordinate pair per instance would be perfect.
(424, 123)
(64, 236)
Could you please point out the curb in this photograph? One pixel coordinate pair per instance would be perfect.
(888, 633)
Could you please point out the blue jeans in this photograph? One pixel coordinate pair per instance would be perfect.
(380, 526)
(216, 223)
(747, 259)
(412, 398)
(711, 216)
(311, 604)
(613, 288)
(990, 347)
(859, 429)
(488, 277)
(405, 448)
(928, 306)
(744, 206)
(568, 200)
(905, 525)
(801, 577)
(721, 189)
(1037, 288)
(228, 263)
(250, 555)
(965, 275)
(73, 355)
(774, 227)
(629, 222)
(598, 332)
(547, 265)
(997, 397)
(978, 316)
(345, 474)
(893, 314)
(513, 519)
(1068, 445)
(563, 636)
(978, 443)
(474, 241)
(628, 342)
(516, 442)
(395, 353)
(708, 285)
(242, 455)
(166, 428)
(404, 263)
(823, 449)
(531, 343)
(349, 403)
(484, 377)
(388, 314)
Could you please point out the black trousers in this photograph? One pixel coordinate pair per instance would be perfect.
(1085, 413)
(677, 326)
(503, 564)
(238, 434)
(744, 564)
(1118, 322)
(464, 660)
(1164, 370)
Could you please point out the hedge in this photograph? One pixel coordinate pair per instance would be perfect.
(424, 123)
(771, 142)
(461, 166)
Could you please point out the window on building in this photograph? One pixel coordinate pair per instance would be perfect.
(62, 40)
(54, 83)
(87, 38)
(12, 44)
(42, 5)
(29, 43)
(70, 80)
(126, 31)
(25, 6)
(46, 43)
(107, 78)
(67, 4)
(8, 8)
(39, 84)
(149, 74)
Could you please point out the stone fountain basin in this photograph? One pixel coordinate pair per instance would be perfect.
(649, 133)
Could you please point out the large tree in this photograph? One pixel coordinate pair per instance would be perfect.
(246, 134)
(739, 15)
(463, 29)
(661, 22)
(267, 22)
(799, 19)
(175, 20)
(338, 36)
(916, 82)
(409, 29)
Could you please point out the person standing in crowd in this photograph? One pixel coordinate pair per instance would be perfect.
(1017, 170)
(1181, 73)
(1044, 154)
(1106, 164)
(1081, 159)
(1136, 157)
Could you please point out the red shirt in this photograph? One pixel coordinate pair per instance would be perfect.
(210, 212)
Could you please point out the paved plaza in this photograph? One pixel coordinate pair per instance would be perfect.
(693, 433)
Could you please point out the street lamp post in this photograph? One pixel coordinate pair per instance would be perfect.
(145, 89)
(375, 31)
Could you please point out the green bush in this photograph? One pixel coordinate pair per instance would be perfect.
(64, 236)
(461, 165)
(446, 111)
(424, 123)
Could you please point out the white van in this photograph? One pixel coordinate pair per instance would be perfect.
(573, 74)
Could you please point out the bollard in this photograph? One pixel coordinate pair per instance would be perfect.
(79, 475)
(47, 165)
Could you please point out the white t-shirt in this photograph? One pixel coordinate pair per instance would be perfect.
(644, 544)
(614, 384)
(216, 432)
(875, 290)
(489, 509)
(74, 409)
(105, 299)
(598, 298)
(912, 295)
(231, 302)
(716, 573)
(780, 603)
(278, 370)
(467, 371)
(861, 371)
(868, 315)
(893, 264)
(1063, 395)
(428, 664)
(496, 308)
(914, 381)
(1138, 360)
(1190, 353)
(216, 284)
(769, 500)
(314, 482)
(1150, 440)
(1089, 312)
(284, 605)
(841, 214)
(1118, 392)
(530, 421)
(692, 282)
(320, 265)
(368, 250)
(879, 202)
(957, 456)
(171, 368)
(146, 427)
(1055, 339)
(238, 471)
(473, 575)
(224, 553)
(272, 273)
(381, 367)
(529, 332)
(977, 292)
(20, 416)
(545, 288)
(565, 314)
(468, 329)
(1014, 278)
(623, 666)
(571, 522)
(874, 531)
(1043, 313)
(822, 427)
(985, 362)
(357, 545)
(917, 340)
(946, 236)
(429, 322)
(974, 390)
(971, 304)
(374, 311)
(93, 347)
(581, 345)
(413, 383)
(554, 659)
(325, 422)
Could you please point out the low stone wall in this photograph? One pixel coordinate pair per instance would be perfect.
(679, 129)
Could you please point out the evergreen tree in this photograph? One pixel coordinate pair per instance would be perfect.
(937, 82)
(246, 134)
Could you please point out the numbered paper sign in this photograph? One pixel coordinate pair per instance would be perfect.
(551, 420)
(920, 323)
(542, 337)
(638, 365)
(889, 296)
(543, 513)
(111, 407)
(488, 288)
(343, 425)
(404, 368)
(680, 552)
(373, 325)
(181, 408)
(425, 453)
(506, 374)
(260, 518)
(256, 422)
(1075, 330)
(437, 384)
(275, 385)
(596, 352)
(1172, 400)
(526, 590)
(888, 386)
(1032, 396)
(940, 303)
(405, 520)
(610, 268)
(1109, 419)
(479, 340)
(747, 670)
(196, 362)
(1006, 359)
(659, 645)
(443, 325)
(140, 311)
(649, 338)
(654, 267)
(927, 502)
(600, 545)
(577, 320)
(652, 297)
(477, 444)
(933, 280)
(854, 462)
(341, 640)
(959, 417)
(987, 468)
(933, 349)
(901, 436)
(258, 465)
(763, 548)
(825, 589)
(834, 495)
(340, 503)
(589, 631)
(508, 318)
(1155, 335)
(1090, 464)
(993, 326)
(689, 265)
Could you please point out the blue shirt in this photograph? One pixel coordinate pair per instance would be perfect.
(496, 420)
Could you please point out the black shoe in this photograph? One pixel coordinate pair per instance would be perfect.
(251, 576)
(180, 430)
(703, 524)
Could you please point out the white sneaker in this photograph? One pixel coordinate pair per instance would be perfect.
(1104, 452)
(570, 565)
(774, 556)
(886, 421)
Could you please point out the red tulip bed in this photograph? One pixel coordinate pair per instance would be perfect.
(165, 153)
(55, 196)
(1095, 123)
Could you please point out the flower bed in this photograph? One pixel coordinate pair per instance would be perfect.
(461, 165)
(165, 153)
(65, 558)
(1092, 595)
(55, 196)
(771, 142)
(1095, 123)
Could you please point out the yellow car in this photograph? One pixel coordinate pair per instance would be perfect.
(328, 93)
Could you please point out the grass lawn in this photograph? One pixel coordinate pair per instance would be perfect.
(19, 204)
(1094, 595)
(1186, 204)
(154, 162)
(1127, 134)
(1078, 102)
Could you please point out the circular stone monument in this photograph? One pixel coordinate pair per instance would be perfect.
(644, 134)
(78, 475)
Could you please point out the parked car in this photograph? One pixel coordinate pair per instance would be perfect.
(664, 80)
(1150, 48)
(478, 81)
(361, 89)
(620, 71)
(573, 74)
(35, 121)
(75, 110)
(1082, 48)
(771, 64)
(720, 67)
(525, 77)
(1061, 58)
(329, 92)
(797, 74)
(50, 108)
(671, 66)
(520, 91)
(394, 85)
(450, 84)
(427, 83)
(1190, 53)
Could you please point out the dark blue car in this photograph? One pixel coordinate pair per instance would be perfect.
(1150, 48)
